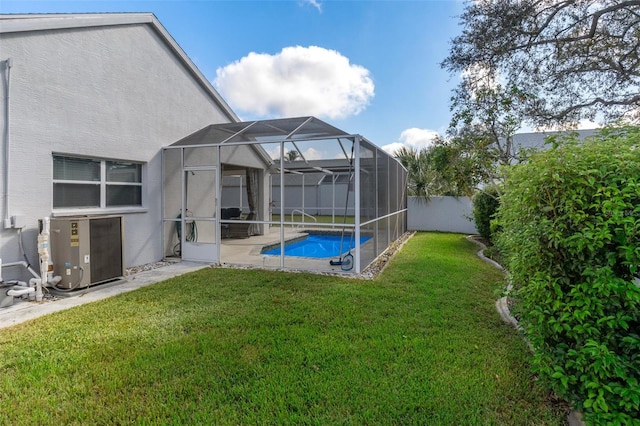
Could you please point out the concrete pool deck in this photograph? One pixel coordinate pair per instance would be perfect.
(248, 252)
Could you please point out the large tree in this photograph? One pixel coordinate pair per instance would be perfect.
(568, 60)
(486, 115)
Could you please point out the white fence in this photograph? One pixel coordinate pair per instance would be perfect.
(447, 214)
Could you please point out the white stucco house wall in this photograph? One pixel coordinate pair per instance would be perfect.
(84, 93)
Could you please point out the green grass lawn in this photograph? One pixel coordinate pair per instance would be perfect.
(422, 344)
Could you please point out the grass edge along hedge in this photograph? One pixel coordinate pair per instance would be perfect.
(570, 238)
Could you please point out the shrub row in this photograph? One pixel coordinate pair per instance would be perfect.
(485, 206)
(570, 238)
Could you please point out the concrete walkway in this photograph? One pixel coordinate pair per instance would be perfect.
(23, 310)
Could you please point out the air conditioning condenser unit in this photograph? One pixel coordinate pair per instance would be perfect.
(87, 250)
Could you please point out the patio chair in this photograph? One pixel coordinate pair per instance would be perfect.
(233, 213)
(228, 214)
(241, 229)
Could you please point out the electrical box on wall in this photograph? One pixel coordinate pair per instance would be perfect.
(86, 250)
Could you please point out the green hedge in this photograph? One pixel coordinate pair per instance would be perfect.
(570, 238)
(485, 206)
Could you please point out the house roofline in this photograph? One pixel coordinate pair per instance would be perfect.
(10, 23)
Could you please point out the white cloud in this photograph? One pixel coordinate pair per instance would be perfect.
(315, 3)
(418, 138)
(412, 138)
(312, 154)
(297, 81)
(392, 147)
(273, 150)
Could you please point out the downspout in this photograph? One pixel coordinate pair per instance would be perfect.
(43, 252)
(7, 218)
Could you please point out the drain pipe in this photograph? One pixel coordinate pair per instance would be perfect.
(43, 253)
(22, 263)
(51, 281)
(22, 291)
(7, 218)
(32, 281)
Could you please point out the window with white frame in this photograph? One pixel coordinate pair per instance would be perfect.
(93, 183)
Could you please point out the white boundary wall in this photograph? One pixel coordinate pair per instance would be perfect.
(448, 214)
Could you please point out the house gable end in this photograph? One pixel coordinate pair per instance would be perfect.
(38, 22)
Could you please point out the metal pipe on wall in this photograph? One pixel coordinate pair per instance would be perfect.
(8, 63)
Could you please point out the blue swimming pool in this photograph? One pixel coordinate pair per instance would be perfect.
(318, 246)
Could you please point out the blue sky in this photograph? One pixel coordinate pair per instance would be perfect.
(367, 67)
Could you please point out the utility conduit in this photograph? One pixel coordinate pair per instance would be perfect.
(21, 292)
(7, 67)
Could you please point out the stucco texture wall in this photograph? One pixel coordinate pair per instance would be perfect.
(446, 214)
(113, 92)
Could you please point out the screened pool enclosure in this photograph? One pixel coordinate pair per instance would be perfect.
(294, 193)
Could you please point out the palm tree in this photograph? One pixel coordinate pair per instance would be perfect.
(291, 156)
(427, 173)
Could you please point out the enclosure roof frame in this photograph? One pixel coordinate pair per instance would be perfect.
(291, 129)
(279, 130)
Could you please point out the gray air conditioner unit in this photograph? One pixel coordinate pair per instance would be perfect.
(86, 250)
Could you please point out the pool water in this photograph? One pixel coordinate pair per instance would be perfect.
(318, 246)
